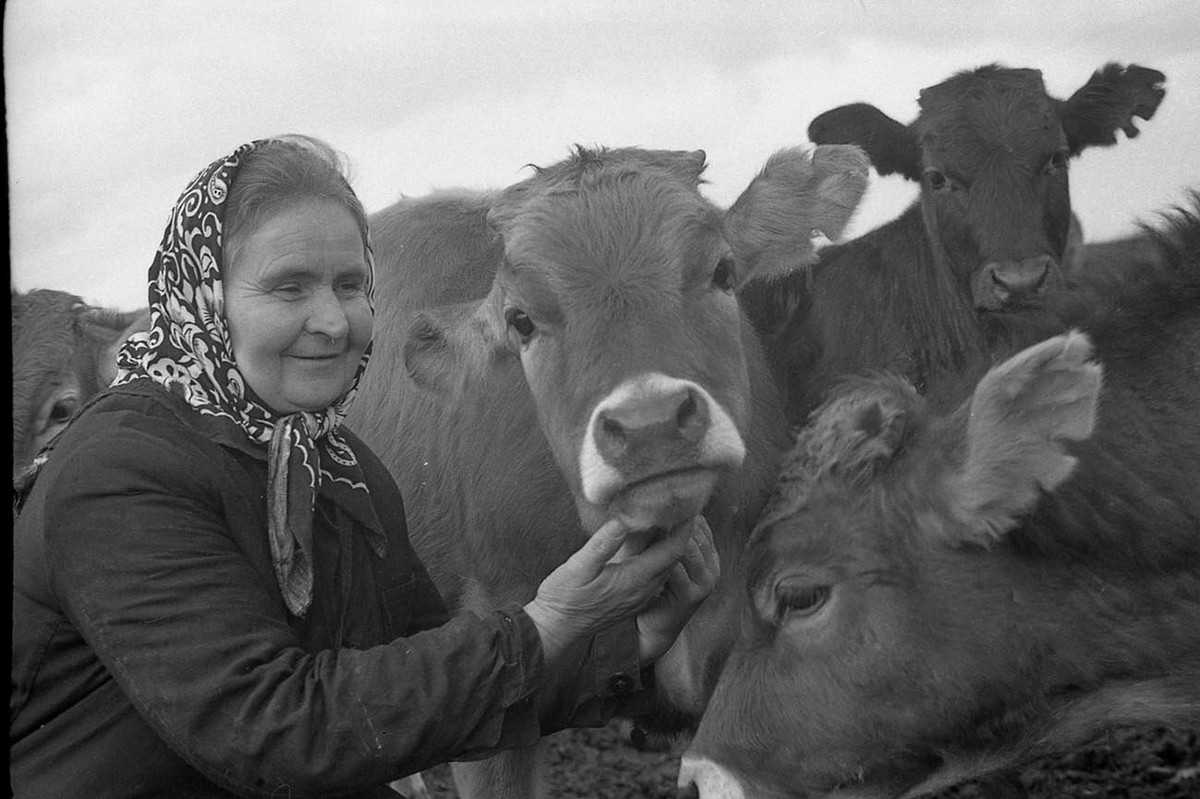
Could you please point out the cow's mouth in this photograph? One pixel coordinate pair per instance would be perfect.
(664, 500)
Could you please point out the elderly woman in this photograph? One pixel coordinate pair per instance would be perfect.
(214, 592)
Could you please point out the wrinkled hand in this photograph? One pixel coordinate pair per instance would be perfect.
(688, 584)
(602, 583)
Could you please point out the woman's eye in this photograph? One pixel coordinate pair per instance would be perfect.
(289, 290)
(519, 321)
(937, 179)
(722, 276)
(797, 598)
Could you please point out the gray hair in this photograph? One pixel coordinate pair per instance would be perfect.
(280, 173)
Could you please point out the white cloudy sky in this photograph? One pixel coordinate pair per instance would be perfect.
(113, 105)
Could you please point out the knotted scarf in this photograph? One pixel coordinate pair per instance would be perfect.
(188, 351)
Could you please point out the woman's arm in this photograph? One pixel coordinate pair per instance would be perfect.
(143, 560)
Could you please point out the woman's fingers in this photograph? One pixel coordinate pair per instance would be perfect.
(701, 560)
(600, 547)
(680, 583)
(686, 550)
(657, 559)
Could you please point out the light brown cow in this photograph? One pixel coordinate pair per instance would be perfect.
(64, 351)
(582, 355)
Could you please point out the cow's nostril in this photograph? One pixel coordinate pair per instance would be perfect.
(613, 429)
(1020, 277)
(687, 410)
(691, 419)
(611, 438)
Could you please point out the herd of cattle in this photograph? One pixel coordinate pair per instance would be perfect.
(950, 467)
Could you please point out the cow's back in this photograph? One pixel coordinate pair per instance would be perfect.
(428, 252)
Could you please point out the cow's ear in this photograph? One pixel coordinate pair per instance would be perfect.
(687, 165)
(799, 194)
(892, 147)
(856, 433)
(1021, 413)
(114, 330)
(429, 351)
(446, 345)
(1109, 102)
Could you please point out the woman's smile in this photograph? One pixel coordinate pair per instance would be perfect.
(297, 306)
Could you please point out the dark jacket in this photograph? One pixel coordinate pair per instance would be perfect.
(153, 654)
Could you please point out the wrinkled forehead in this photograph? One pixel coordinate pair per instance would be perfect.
(990, 111)
(815, 531)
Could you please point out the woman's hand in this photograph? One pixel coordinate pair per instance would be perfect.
(688, 584)
(603, 582)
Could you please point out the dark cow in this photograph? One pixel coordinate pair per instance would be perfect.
(1110, 261)
(64, 351)
(571, 349)
(1115, 258)
(933, 596)
(953, 274)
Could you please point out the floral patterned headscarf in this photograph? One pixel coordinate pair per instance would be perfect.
(188, 351)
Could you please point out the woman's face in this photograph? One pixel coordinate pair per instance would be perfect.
(296, 305)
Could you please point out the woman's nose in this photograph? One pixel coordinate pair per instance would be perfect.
(326, 316)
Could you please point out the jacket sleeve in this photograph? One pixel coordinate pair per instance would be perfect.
(608, 679)
(605, 676)
(141, 560)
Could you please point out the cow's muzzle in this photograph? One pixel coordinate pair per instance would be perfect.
(1002, 282)
(654, 448)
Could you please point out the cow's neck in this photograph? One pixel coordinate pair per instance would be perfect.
(917, 286)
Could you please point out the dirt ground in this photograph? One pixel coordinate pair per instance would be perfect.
(1126, 764)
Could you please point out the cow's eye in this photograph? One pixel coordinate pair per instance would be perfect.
(937, 179)
(722, 276)
(795, 597)
(63, 409)
(519, 321)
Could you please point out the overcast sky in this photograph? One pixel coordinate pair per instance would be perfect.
(112, 106)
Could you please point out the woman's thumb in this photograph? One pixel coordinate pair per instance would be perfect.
(600, 547)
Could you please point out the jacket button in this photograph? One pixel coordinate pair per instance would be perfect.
(620, 684)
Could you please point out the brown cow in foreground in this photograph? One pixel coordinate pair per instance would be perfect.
(930, 597)
(64, 351)
(570, 349)
(962, 270)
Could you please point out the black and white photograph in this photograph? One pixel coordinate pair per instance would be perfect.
(552, 400)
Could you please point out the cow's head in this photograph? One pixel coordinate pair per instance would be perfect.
(990, 149)
(64, 351)
(615, 299)
(887, 643)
